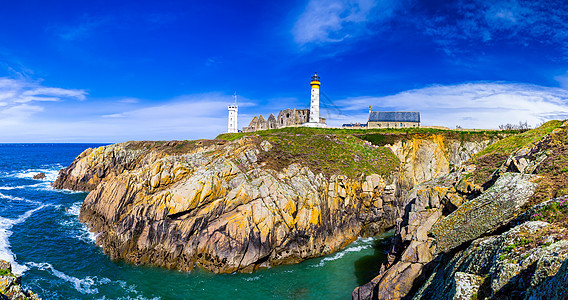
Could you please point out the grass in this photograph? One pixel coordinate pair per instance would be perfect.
(5, 272)
(492, 157)
(328, 154)
(368, 134)
(555, 212)
(513, 142)
(171, 147)
(333, 151)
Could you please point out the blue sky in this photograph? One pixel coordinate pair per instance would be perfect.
(112, 71)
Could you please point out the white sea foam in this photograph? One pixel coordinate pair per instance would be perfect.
(360, 244)
(79, 230)
(14, 198)
(86, 285)
(50, 174)
(9, 188)
(252, 278)
(74, 209)
(5, 233)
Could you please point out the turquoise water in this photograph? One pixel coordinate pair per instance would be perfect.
(41, 236)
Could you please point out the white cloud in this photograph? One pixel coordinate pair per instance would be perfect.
(521, 21)
(325, 21)
(115, 120)
(470, 105)
(20, 98)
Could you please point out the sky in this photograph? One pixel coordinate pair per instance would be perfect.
(114, 71)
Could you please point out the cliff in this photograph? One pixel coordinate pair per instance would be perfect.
(244, 202)
(489, 229)
(10, 285)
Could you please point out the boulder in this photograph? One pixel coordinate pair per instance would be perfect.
(39, 176)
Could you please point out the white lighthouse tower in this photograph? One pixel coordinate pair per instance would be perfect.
(314, 103)
(233, 117)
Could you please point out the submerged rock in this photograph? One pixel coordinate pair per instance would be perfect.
(39, 176)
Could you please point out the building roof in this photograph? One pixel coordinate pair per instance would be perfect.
(394, 116)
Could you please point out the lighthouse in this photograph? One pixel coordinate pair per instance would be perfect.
(314, 103)
(233, 117)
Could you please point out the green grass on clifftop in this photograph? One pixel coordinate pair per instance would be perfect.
(378, 136)
(348, 152)
(329, 154)
(492, 157)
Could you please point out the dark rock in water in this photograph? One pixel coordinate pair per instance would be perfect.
(10, 285)
(39, 176)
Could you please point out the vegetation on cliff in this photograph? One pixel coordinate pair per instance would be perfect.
(351, 152)
(492, 157)
(10, 285)
(494, 228)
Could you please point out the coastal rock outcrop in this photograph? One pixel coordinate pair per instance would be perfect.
(250, 203)
(465, 236)
(219, 209)
(10, 285)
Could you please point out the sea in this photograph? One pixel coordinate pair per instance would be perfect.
(57, 256)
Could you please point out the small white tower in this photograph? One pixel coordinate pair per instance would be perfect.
(315, 101)
(233, 117)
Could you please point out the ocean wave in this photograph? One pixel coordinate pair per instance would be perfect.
(50, 174)
(5, 233)
(139, 297)
(9, 188)
(358, 245)
(252, 278)
(19, 199)
(12, 198)
(74, 209)
(86, 285)
(79, 230)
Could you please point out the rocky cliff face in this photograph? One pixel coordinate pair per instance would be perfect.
(462, 238)
(10, 285)
(427, 158)
(254, 202)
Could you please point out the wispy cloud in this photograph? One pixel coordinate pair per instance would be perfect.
(20, 98)
(471, 105)
(522, 22)
(325, 21)
(82, 29)
(109, 120)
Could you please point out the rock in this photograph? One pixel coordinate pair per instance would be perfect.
(265, 146)
(424, 232)
(39, 176)
(466, 286)
(500, 267)
(497, 206)
(10, 285)
(218, 206)
(222, 217)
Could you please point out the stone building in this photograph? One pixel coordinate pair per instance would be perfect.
(286, 118)
(393, 119)
(293, 117)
